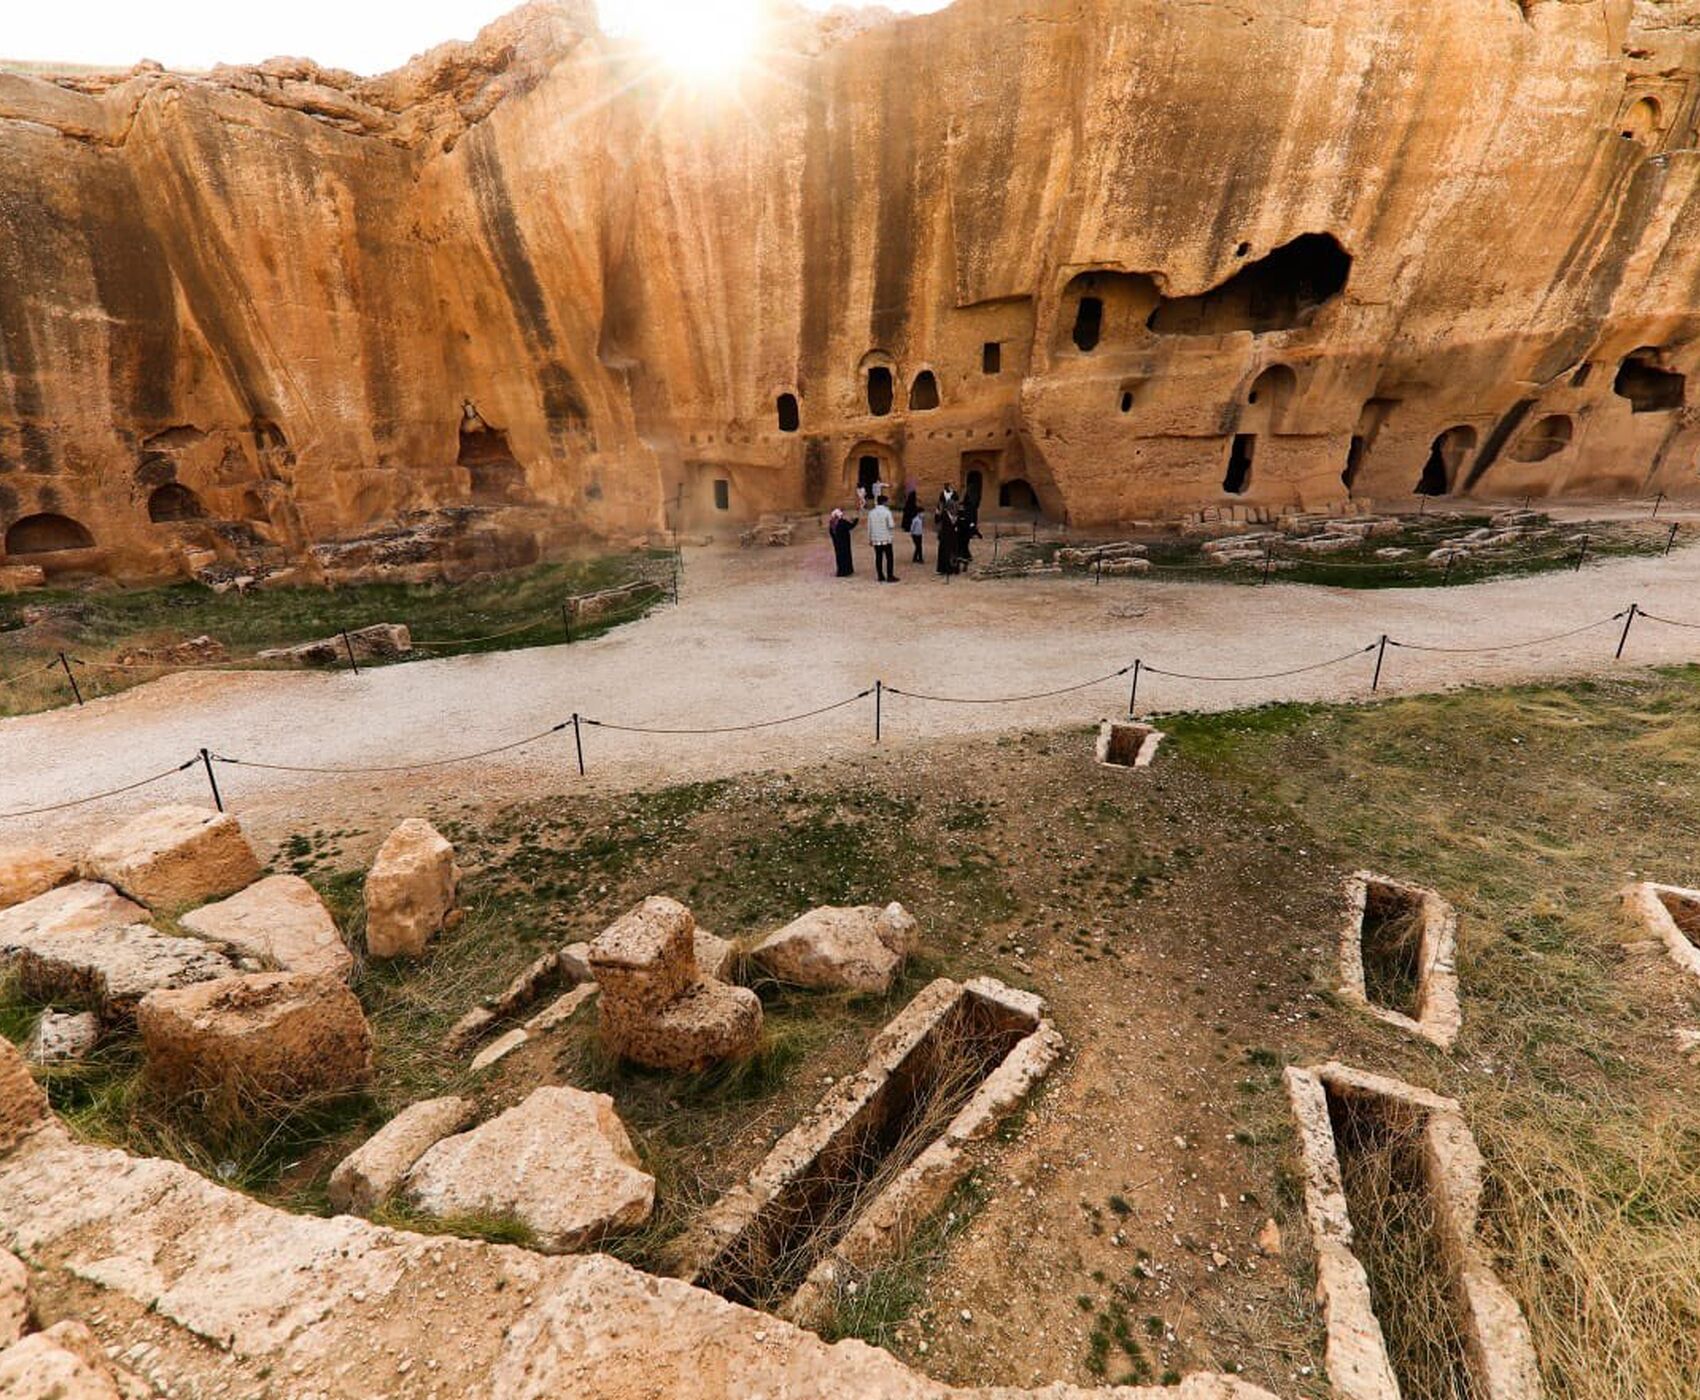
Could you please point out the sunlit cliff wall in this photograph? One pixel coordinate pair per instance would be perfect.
(1270, 253)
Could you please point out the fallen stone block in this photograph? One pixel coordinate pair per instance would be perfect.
(63, 1037)
(562, 1009)
(175, 857)
(646, 957)
(111, 969)
(706, 1023)
(840, 949)
(369, 1175)
(410, 890)
(282, 922)
(384, 641)
(716, 957)
(285, 1035)
(499, 1049)
(14, 1298)
(28, 871)
(23, 1106)
(196, 651)
(65, 1362)
(560, 1163)
(15, 578)
(82, 907)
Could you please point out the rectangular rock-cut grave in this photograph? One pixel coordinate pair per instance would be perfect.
(1673, 915)
(847, 1186)
(1125, 743)
(1393, 1187)
(1398, 956)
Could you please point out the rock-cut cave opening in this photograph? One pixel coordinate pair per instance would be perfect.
(1279, 292)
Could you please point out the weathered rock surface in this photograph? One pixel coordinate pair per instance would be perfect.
(175, 857)
(1172, 274)
(14, 1298)
(82, 907)
(560, 1163)
(382, 641)
(410, 890)
(656, 1007)
(282, 1034)
(28, 871)
(279, 920)
(60, 1037)
(365, 1178)
(63, 1363)
(856, 949)
(110, 969)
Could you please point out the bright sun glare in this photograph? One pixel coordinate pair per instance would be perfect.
(699, 39)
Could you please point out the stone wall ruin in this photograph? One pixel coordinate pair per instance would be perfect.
(1066, 261)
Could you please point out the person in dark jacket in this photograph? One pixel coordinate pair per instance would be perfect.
(945, 526)
(839, 526)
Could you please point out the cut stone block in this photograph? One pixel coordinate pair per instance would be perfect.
(707, 1023)
(499, 1049)
(646, 957)
(28, 871)
(1127, 744)
(61, 1037)
(66, 1362)
(410, 890)
(1398, 956)
(1496, 1350)
(367, 1177)
(287, 1035)
(716, 957)
(1672, 914)
(941, 1075)
(111, 969)
(23, 1106)
(562, 1009)
(69, 909)
(560, 1163)
(857, 949)
(175, 857)
(381, 641)
(282, 922)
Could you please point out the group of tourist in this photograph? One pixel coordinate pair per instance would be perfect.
(956, 524)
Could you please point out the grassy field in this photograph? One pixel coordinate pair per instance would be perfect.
(94, 625)
(1175, 556)
(1181, 922)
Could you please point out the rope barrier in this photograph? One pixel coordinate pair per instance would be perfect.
(1668, 621)
(17, 676)
(1265, 675)
(1514, 646)
(395, 767)
(96, 797)
(732, 728)
(1007, 699)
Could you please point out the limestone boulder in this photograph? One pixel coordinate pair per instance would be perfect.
(15, 578)
(28, 871)
(82, 907)
(646, 957)
(23, 1107)
(288, 1035)
(282, 922)
(14, 1298)
(367, 1177)
(410, 890)
(66, 1362)
(856, 949)
(109, 970)
(716, 957)
(174, 857)
(559, 1163)
(63, 1037)
(383, 641)
(706, 1023)
(558, 1012)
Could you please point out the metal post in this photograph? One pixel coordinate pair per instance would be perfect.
(1628, 622)
(212, 782)
(1451, 559)
(675, 580)
(1422, 506)
(348, 642)
(1672, 539)
(997, 539)
(1100, 577)
(1581, 554)
(1268, 559)
(1380, 652)
(1035, 529)
(879, 699)
(68, 676)
(1133, 695)
(578, 743)
(567, 621)
(1656, 504)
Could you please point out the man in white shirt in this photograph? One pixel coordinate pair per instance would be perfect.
(881, 533)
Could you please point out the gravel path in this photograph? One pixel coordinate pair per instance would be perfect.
(770, 633)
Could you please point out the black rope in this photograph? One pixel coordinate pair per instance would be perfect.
(395, 767)
(114, 792)
(732, 728)
(1006, 699)
(1265, 675)
(1668, 621)
(1512, 646)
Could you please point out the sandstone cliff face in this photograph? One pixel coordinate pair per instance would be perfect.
(1141, 256)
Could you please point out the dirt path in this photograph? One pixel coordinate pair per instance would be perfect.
(766, 634)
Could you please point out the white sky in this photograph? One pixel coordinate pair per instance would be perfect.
(367, 36)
